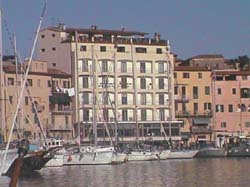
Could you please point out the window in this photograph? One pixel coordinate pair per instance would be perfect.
(230, 108)
(29, 82)
(105, 98)
(103, 48)
(247, 124)
(207, 90)
(183, 90)
(245, 93)
(161, 83)
(38, 83)
(85, 66)
(42, 50)
(186, 75)
(162, 114)
(219, 108)
(53, 35)
(143, 83)
(49, 83)
(11, 99)
(83, 48)
(175, 90)
(195, 108)
(11, 81)
(124, 82)
(207, 106)
(234, 91)
(42, 36)
(142, 67)
(175, 75)
(26, 100)
(123, 67)
(159, 50)
(195, 92)
(143, 99)
(143, 114)
(141, 50)
(223, 125)
(85, 98)
(200, 75)
(124, 99)
(244, 77)
(219, 91)
(54, 64)
(121, 49)
(53, 49)
(161, 99)
(124, 115)
(65, 84)
(104, 66)
(85, 82)
(86, 114)
(66, 120)
(161, 67)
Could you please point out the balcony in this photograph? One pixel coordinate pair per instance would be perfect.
(181, 98)
(118, 40)
(59, 128)
(184, 114)
(201, 130)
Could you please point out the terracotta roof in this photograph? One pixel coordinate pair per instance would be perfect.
(231, 72)
(51, 72)
(98, 31)
(204, 56)
(190, 68)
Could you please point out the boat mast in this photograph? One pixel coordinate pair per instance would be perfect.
(2, 98)
(94, 112)
(135, 91)
(77, 89)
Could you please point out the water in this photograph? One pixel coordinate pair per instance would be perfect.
(170, 173)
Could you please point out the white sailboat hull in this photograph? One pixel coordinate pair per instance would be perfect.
(182, 154)
(142, 156)
(164, 154)
(119, 158)
(10, 157)
(89, 156)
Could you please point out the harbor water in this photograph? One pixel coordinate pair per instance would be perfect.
(218, 172)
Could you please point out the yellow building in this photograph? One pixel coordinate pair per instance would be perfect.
(193, 101)
(41, 81)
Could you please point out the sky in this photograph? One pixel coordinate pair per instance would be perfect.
(193, 27)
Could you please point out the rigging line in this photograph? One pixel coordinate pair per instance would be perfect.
(23, 86)
(106, 85)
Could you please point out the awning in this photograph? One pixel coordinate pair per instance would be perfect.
(201, 120)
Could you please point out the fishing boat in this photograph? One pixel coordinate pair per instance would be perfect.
(211, 152)
(238, 147)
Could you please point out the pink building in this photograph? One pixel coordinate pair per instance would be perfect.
(231, 100)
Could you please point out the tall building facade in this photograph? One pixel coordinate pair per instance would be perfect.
(123, 82)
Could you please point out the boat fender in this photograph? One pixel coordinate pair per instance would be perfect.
(89, 149)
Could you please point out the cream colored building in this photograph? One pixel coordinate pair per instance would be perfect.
(40, 80)
(122, 80)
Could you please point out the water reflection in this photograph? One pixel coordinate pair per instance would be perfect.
(170, 173)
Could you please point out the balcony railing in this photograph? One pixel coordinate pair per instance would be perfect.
(198, 130)
(139, 41)
(193, 114)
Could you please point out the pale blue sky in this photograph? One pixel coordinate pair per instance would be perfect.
(192, 26)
